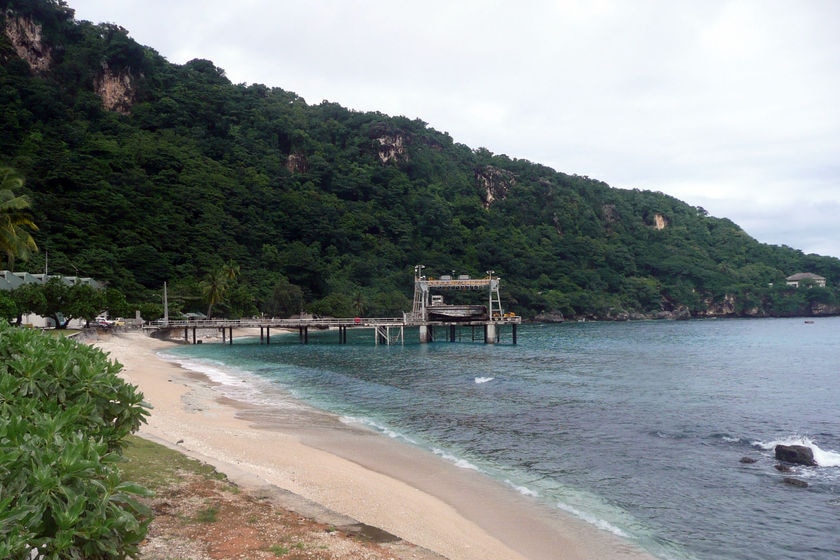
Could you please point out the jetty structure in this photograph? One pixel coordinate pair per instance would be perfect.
(430, 314)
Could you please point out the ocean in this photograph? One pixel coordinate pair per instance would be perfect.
(638, 428)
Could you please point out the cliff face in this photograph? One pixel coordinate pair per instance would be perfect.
(493, 183)
(116, 89)
(26, 37)
(392, 148)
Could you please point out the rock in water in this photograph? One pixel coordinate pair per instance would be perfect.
(798, 454)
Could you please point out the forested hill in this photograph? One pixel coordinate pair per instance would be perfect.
(141, 171)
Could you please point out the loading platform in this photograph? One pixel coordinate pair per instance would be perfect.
(430, 315)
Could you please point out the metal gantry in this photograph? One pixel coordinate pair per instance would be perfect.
(428, 313)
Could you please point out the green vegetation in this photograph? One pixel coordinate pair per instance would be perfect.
(62, 302)
(64, 419)
(209, 514)
(157, 467)
(327, 210)
(15, 219)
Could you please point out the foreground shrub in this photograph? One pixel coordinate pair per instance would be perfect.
(64, 417)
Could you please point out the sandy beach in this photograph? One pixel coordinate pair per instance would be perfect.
(326, 469)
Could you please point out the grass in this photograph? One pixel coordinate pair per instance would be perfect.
(207, 515)
(155, 466)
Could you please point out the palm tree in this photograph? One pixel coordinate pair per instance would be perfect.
(214, 287)
(359, 304)
(15, 219)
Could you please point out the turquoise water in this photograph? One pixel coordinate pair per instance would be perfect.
(636, 427)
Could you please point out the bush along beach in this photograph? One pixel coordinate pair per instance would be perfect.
(64, 419)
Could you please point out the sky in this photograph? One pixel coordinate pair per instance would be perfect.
(733, 106)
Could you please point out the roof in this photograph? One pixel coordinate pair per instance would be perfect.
(804, 276)
(10, 280)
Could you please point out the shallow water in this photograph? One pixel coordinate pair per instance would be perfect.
(638, 428)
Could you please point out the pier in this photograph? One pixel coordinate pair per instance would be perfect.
(434, 319)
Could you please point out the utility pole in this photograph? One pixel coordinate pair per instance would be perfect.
(165, 307)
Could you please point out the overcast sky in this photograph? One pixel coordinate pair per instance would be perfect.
(732, 106)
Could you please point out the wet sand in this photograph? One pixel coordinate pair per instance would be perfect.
(328, 469)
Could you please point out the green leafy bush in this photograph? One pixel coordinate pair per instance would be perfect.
(64, 417)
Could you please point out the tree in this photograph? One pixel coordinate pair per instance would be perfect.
(286, 299)
(85, 302)
(57, 295)
(8, 307)
(359, 304)
(215, 286)
(15, 219)
(29, 298)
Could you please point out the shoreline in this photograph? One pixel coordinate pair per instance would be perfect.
(322, 467)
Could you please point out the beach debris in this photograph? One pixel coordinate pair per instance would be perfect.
(797, 454)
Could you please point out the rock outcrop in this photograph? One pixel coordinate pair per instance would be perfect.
(392, 148)
(493, 183)
(297, 163)
(796, 454)
(116, 89)
(659, 222)
(26, 38)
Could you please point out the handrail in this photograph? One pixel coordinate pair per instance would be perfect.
(407, 320)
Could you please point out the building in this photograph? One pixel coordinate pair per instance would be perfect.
(10, 280)
(805, 280)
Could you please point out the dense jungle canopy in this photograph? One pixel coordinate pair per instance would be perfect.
(141, 172)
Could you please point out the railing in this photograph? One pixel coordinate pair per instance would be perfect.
(408, 319)
(289, 323)
(455, 283)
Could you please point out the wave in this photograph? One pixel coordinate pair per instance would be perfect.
(524, 490)
(594, 520)
(377, 427)
(457, 461)
(484, 379)
(237, 383)
(822, 457)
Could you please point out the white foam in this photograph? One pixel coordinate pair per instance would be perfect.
(457, 461)
(591, 519)
(524, 490)
(236, 383)
(484, 379)
(822, 457)
(384, 430)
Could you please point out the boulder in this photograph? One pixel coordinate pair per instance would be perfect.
(797, 454)
(795, 482)
(748, 460)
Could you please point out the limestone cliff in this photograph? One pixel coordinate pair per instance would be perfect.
(116, 89)
(493, 183)
(296, 163)
(392, 147)
(659, 221)
(26, 37)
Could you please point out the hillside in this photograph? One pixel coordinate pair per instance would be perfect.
(143, 172)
